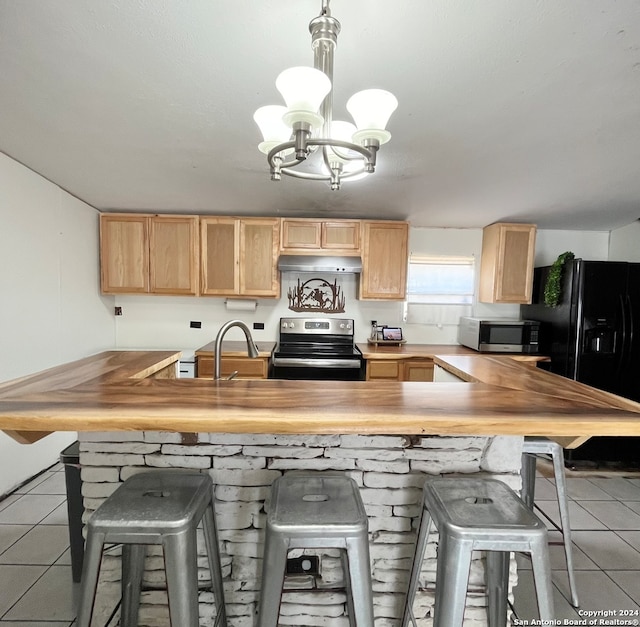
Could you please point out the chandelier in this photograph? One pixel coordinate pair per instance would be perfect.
(305, 126)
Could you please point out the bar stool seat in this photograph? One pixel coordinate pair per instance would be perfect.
(533, 447)
(477, 515)
(316, 510)
(164, 508)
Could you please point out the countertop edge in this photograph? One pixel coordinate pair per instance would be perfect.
(502, 397)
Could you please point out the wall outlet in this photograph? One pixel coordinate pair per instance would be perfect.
(303, 565)
(117, 311)
(195, 324)
(258, 326)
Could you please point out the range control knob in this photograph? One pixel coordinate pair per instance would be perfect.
(348, 326)
(342, 325)
(284, 325)
(291, 325)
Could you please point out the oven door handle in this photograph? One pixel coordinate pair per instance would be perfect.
(292, 362)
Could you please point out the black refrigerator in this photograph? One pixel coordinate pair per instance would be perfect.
(593, 336)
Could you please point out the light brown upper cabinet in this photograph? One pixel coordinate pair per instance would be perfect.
(506, 266)
(384, 260)
(154, 254)
(173, 255)
(302, 236)
(239, 256)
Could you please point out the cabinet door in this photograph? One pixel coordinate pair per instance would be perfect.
(219, 245)
(341, 236)
(124, 254)
(506, 266)
(301, 235)
(384, 369)
(246, 368)
(173, 255)
(384, 260)
(418, 370)
(259, 244)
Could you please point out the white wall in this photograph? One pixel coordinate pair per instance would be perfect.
(163, 321)
(624, 243)
(52, 311)
(589, 245)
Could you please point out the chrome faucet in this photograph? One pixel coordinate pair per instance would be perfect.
(252, 349)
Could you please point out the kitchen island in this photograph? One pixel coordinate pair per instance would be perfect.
(137, 391)
(133, 416)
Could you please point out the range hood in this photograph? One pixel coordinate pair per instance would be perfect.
(319, 263)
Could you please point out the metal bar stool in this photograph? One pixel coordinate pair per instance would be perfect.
(315, 510)
(477, 515)
(162, 507)
(534, 446)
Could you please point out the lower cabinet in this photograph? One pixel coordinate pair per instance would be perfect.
(417, 370)
(384, 369)
(246, 367)
(400, 369)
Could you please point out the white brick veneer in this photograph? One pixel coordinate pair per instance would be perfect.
(390, 471)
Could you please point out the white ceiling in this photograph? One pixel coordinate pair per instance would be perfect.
(523, 110)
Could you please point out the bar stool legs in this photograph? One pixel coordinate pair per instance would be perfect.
(180, 555)
(90, 573)
(273, 571)
(164, 508)
(317, 510)
(132, 570)
(451, 581)
(497, 586)
(477, 515)
(422, 540)
(358, 576)
(215, 568)
(543, 446)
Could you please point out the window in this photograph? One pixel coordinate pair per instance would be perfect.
(439, 289)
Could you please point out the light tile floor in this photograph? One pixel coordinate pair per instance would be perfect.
(35, 574)
(605, 524)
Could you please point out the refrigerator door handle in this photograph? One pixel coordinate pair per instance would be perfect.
(631, 330)
(623, 343)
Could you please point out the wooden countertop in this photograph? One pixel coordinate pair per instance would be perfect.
(235, 348)
(427, 351)
(115, 391)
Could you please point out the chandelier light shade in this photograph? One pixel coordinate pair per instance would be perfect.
(371, 110)
(303, 88)
(293, 132)
(274, 130)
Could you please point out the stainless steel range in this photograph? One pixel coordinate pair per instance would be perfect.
(317, 348)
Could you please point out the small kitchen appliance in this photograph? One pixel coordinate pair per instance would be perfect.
(317, 348)
(383, 334)
(499, 336)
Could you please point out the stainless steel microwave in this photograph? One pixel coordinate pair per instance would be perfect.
(499, 336)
